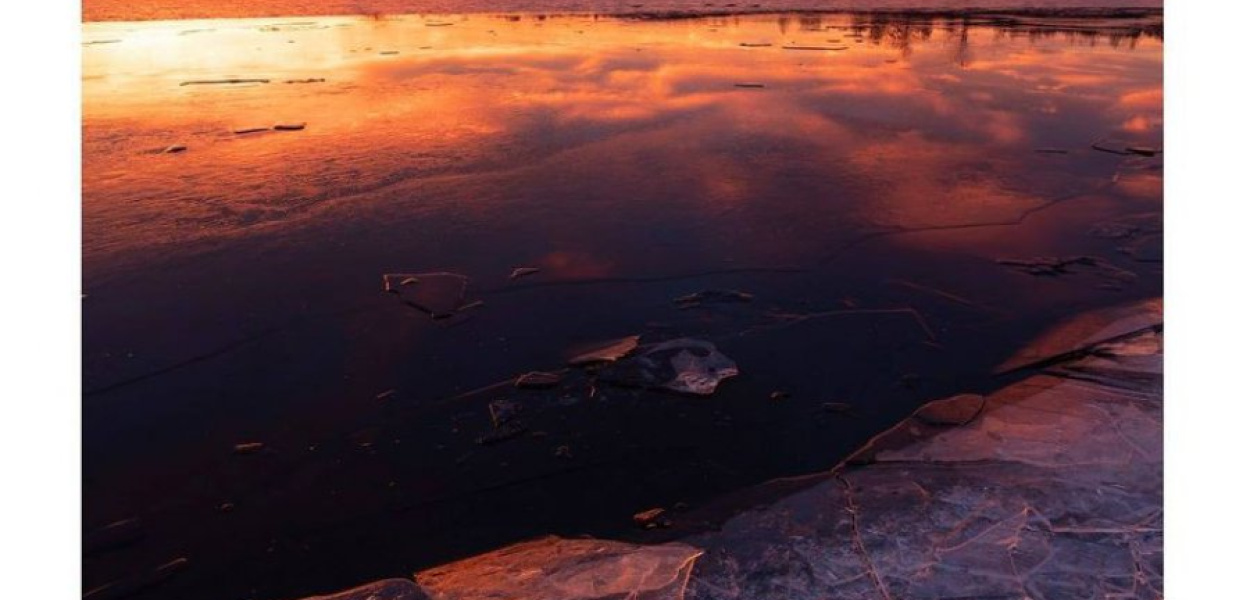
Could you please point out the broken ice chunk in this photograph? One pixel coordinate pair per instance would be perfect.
(684, 365)
(114, 535)
(538, 380)
(839, 408)
(712, 297)
(132, 585)
(1046, 265)
(833, 48)
(606, 351)
(504, 420)
(248, 447)
(1124, 148)
(222, 81)
(520, 272)
(439, 294)
(1050, 266)
(700, 374)
(651, 518)
(503, 411)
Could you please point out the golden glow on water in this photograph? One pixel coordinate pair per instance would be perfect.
(130, 10)
(913, 124)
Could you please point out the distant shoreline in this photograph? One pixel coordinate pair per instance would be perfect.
(1091, 12)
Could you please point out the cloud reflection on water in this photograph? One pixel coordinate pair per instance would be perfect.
(917, 123)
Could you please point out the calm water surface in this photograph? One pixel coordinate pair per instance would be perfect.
(132, 10)
(862, 191)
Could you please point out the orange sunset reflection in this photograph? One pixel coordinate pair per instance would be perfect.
(395, 104)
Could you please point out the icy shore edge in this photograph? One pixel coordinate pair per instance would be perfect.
(1048, 488)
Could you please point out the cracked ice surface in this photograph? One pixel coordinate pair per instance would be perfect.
(553, 568)
(1054, 491)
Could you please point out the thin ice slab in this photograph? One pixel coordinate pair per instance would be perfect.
(554, 568)
(1052, 489)
(605, 352)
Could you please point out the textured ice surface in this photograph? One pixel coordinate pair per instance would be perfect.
(683, 365)
(1077, 332)
(554, 568)
(956, 410)
(1053, 491)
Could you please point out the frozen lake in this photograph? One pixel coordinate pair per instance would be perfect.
(869, 211)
